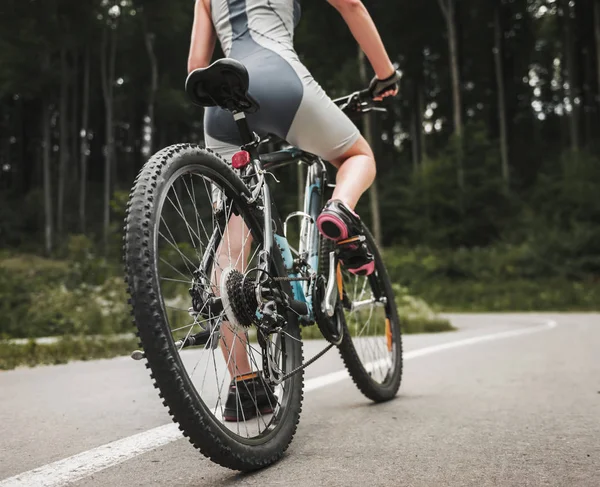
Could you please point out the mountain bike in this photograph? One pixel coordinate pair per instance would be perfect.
(214, 283)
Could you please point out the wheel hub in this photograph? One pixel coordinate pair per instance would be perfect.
(238, 297)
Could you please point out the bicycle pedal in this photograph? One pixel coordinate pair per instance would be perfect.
(138, 355)
(357, 239)
(355, 255)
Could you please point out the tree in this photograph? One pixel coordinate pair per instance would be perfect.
(83, 141)
(108, 56)
(571, 88)
(499, 62)
(46, 142)
(149, 39)
(448, 8)
(63, 141)
(597, 37)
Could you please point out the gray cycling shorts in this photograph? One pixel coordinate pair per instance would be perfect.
(292, 106)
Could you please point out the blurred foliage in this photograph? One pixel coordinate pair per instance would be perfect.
(416, 316)
(79, 296)
(63, 351)
(499, 278)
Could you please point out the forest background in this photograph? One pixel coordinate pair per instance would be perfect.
(487, 195)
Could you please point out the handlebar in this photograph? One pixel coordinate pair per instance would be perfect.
(358, 103)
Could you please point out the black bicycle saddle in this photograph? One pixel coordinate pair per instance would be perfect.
(224, 84)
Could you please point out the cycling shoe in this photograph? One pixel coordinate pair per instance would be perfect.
(339, 223)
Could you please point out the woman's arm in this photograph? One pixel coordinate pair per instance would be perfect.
(364, 31)
(203, 40)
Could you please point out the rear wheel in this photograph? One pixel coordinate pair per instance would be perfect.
(190, 245)
(372, 343)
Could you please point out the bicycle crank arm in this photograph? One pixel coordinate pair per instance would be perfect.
(331, 292)
(202, 338)
(367, 302)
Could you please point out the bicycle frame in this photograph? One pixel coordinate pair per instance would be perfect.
(316, 181)
(308, 248)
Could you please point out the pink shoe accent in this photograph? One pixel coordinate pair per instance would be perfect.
(364, 270)
(324, 217)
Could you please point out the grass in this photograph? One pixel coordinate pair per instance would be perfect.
(499, 278)
(550, 294)
(31, 262)
(408, 324)
(64, 350)
(70, 348)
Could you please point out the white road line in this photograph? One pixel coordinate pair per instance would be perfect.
(84, 464)
(327, 379)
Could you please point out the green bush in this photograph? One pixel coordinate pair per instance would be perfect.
(500, 278)
(510, 295)
(416, 316)
(84, 310)
(64, 350)
(43, 297)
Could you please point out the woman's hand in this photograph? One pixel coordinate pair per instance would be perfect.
(382, 88)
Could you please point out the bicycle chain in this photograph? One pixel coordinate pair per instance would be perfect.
(306, 364)
(290, 279)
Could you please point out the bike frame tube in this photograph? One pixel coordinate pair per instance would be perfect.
(313, 200)
(309, 236)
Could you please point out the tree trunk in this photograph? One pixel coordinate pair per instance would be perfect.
(416, 125)
(449, 13)
(588, 97)
(368, 134)
(499, 61)
(453, 50)
(414, 129)
(83, 142)
(597, 36)
(46, 142)
(107, 66)
(63, 141)
(421, 132)
(149, 41)
(571, 76)
(74, 122)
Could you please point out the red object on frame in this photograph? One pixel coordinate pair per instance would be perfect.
(240, 159)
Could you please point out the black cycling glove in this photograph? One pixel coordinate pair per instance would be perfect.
(379, 86)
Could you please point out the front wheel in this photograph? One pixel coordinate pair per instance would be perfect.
(372, 345)
(191, 242)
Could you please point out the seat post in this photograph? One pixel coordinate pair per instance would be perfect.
(243, 127)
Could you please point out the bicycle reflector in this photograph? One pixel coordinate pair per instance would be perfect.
(240, 159)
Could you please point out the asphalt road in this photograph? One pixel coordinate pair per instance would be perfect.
(512, 409)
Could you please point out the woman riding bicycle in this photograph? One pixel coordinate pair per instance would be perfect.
(294, 107)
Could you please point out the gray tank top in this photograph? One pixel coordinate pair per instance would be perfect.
(238, 22)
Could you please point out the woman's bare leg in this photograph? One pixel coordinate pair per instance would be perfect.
(233, 251)
(356, 173)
